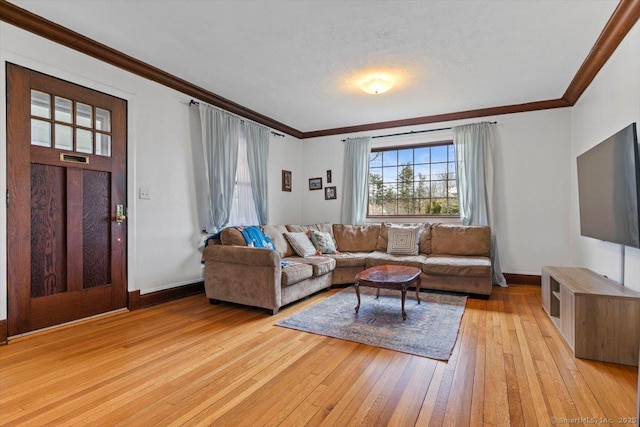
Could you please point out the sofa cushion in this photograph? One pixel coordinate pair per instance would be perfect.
(381, 258)
(321, 265)
(450, 239)
(301, 244)
(294, 273)
(323, 242)
(324, 227)
(356, 238)
(464, 266)
(425, 236)
(276, 234)
(349, 259)
(403, 240)
(232, 236)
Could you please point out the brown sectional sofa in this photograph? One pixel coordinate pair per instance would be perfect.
(451, 257)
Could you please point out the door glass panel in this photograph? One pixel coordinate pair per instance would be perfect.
(64, 137)
(84, 115)
(103, 144)
(63, 110)
(84, 141)
(40, 133)
(103, 120)
(40, 104)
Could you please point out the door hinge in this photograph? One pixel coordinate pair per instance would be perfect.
(7, 197)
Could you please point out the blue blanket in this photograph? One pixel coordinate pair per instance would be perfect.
(255, 237)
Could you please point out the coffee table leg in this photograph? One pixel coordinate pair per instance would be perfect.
(404, 296)
(377, 292)
(357, 286)
(418, 284)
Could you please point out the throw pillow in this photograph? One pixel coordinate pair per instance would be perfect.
(301, 244)
(403, 241)
(323, 242)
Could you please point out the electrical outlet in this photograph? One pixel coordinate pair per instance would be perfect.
(144, 193)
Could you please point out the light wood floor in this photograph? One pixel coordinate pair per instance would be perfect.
(189, 363)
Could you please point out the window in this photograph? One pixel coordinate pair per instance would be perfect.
(65, 124)
(413, 181)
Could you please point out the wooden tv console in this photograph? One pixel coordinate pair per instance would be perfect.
(598, 318)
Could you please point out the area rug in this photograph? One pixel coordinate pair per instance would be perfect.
(431, 328)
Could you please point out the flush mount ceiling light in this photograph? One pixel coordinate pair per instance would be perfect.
(376, 86)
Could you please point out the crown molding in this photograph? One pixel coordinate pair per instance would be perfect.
(469, 114)
(622, 20)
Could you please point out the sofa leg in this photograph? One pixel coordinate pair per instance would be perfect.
(272, 312)
(213, 301)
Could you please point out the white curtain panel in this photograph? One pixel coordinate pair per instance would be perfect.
(257, 138)
(220, 148)
(243, 211)
(356, 180)
(474, 155)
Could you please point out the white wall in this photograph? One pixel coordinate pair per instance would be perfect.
(163, 155)
(532, 183)
(610, 103)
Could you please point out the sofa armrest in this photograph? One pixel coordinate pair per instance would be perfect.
(244, 255)
(243, 275)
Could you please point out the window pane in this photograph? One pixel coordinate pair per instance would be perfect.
(40, 104)
(84, 141)
(40, 133)
(405, 156)
(63, 110)
(64, 137)
(439, 171)
(84, 115)
(439, 154)
(452, 155)
(375, 159)
(422, 155)
(390, 174)
(390, 158)
(103, 120)
(439, 188)
(103, 145)
(421, 170)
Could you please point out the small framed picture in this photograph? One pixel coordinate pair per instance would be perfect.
(286, 180)
(330, 193)
(329, 176)
(315, 183)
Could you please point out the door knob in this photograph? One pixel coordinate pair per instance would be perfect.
(120, 216)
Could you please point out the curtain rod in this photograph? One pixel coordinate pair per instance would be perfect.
(273, 132)
(412, 132)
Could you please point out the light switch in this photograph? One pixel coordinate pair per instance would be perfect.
(144, 193)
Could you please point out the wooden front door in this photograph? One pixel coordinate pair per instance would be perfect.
(66, 151)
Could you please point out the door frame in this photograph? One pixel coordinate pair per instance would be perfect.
(81, 79)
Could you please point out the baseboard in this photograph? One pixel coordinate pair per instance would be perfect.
(158, 297)
(133, 302)
(523, 279)
(3, 332)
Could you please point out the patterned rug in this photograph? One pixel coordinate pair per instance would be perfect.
(431, 328)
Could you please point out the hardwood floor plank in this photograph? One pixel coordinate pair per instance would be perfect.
(186, 362)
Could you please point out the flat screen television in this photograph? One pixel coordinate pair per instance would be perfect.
(609, 189)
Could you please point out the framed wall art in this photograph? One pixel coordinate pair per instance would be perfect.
(286, 180)
(315, 183)
(330, 193)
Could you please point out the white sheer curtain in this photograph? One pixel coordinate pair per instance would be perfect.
(474, 155)
(356, 180)
(243, 209)
(220, 148)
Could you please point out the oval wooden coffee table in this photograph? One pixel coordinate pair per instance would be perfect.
(397, 277)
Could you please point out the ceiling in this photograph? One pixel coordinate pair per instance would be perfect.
(299, 62)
